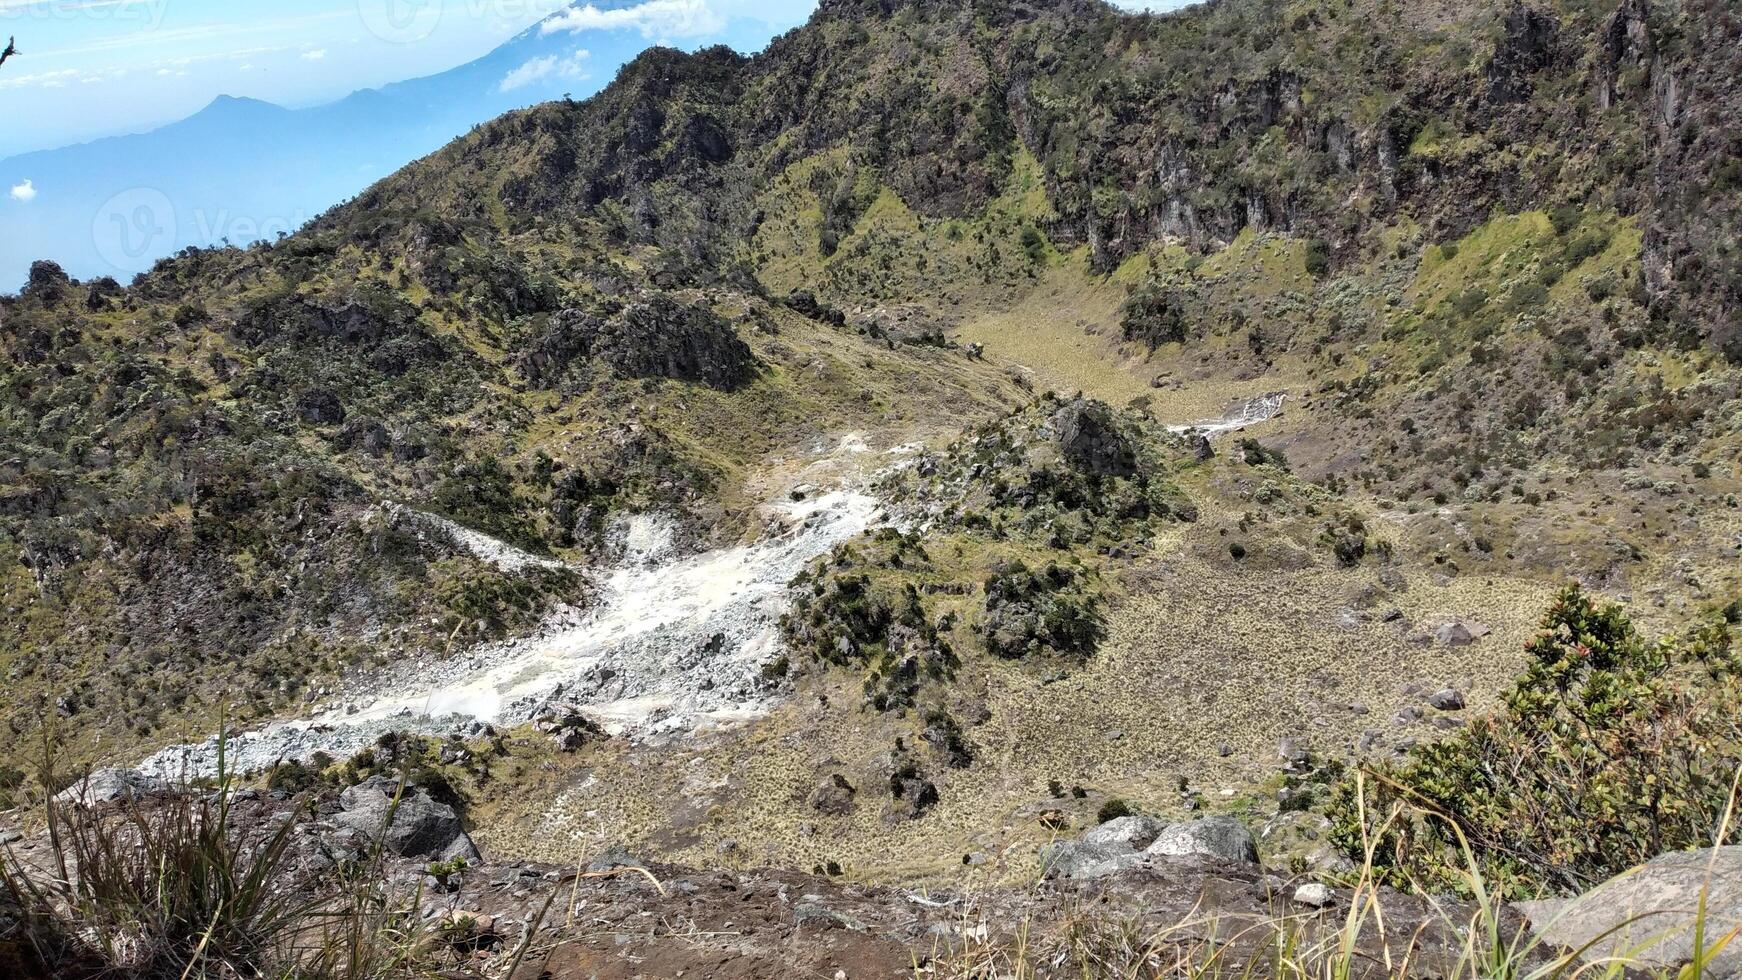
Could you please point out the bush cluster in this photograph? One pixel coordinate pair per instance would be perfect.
(1030, 612)
(1611, 749)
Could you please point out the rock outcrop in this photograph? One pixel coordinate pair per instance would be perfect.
(1131, 842)
(1091, 441)
(108, 786)
(410, 822)
(655, 337)
(1646, 916)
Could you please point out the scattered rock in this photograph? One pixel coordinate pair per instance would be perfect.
(1301, 839)
(1314, 895)
(834, 796)
(1447, 699)
(613, 859)
(913, 795)
(567, 726)
(815, 914)
(1458, 633)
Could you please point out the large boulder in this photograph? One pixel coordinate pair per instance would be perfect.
(420, 826)
(1081, 859)
(108, 786)
(1130, 842)
(1090, 440)
(1135, 832)
(1647, 915)
(1218, 838)
(834, 796)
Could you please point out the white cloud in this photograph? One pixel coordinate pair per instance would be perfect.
(573, 68)
(25, 192)
(47, 79)
(315, 55)
(653, 18)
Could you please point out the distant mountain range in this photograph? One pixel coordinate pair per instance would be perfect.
(242, 169)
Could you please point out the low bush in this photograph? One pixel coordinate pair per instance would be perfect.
(1031, 612)
(1154, 315)
(876, 623)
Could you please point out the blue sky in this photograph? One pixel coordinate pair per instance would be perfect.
(93, 68)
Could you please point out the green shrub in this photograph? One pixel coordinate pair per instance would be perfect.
(1029, 612)
(1254, 453)
(845, 615)
(1611, 749)
(1033, 243)
(1154, 315)
(1112, 810)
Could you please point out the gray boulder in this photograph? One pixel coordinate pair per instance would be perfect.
(420, 827)
(1219, 838)
(1457, 633)
(109, 785)
(1130, 842)
(1090, 440)
(1136, 832)
(1314, 895)
(1082, 860)
(1447, 699)
(1647, 915)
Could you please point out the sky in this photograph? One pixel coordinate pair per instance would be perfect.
(92, 68)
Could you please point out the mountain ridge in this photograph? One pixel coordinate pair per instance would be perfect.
(283, 165)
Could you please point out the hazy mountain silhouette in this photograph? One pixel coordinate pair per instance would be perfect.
(243, 169)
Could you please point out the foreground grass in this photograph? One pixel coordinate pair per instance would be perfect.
(183, 888)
